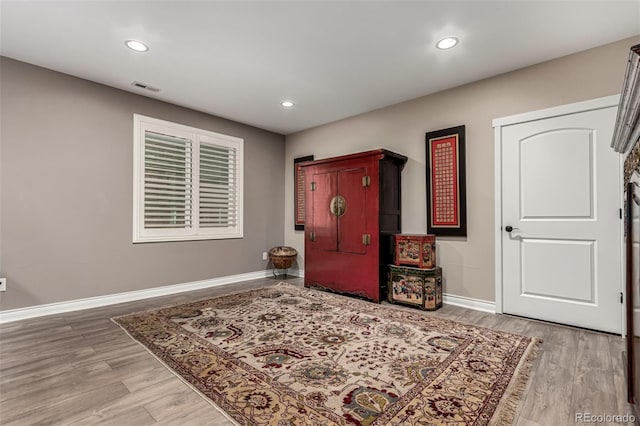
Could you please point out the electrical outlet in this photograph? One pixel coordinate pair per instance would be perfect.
(3, 284)
(264, 255)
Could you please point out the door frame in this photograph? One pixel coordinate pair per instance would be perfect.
(498, 123)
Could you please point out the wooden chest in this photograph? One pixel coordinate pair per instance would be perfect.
(415, 287)
(415, 250)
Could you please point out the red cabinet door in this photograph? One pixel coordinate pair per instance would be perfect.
(338, 211)
(352, 224)
(324, 224)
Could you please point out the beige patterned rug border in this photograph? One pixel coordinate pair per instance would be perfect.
(164, 364)
(504, 415)
(174, 372)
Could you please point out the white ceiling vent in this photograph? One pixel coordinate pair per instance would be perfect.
(145, 86)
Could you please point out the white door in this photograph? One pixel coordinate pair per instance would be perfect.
(561, 186)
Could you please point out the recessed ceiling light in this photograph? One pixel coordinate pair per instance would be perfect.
(447, 43)
(136, 45)
(287, 104)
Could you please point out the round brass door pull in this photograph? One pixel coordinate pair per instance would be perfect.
(338, 205)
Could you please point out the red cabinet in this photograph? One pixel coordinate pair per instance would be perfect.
(352, 211)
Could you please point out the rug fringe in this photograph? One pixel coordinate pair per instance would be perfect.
(509, 405)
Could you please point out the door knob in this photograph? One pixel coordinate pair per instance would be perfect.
(510, 228)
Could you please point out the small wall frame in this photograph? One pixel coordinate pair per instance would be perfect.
(298, 192)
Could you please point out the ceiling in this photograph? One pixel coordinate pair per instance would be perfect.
(335, 59)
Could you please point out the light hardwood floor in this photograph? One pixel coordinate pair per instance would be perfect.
(80, 368)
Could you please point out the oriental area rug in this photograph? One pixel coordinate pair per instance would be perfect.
(287, 355)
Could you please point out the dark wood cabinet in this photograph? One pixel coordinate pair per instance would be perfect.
(352, 211)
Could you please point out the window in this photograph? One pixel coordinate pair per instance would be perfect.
(187, 182)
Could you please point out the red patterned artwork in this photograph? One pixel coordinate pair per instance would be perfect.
(446, 190)
(299, 195)
(444, 181)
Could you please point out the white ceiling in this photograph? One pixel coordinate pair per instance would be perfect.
(336, 59)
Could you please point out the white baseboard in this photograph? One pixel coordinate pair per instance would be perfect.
(130, 296)
(450, 299)
(111, 299)
(468, 302)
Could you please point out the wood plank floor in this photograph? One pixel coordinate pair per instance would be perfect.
(79, 368)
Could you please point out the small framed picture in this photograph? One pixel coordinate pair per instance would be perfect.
(298, 192)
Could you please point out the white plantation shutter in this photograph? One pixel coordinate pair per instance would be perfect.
(167, 181)
(187, 182)
(218, 186)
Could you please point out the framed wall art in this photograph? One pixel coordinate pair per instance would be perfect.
(446, 186)
(298, 192)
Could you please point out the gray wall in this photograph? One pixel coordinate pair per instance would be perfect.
(66, 171)
(468, 264)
